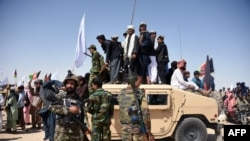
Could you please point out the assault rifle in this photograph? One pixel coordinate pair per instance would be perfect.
(50, 95)
(70, 116)
(131, 81)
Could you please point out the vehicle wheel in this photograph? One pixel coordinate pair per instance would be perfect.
(191, 129)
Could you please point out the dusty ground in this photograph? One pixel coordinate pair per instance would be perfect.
(38, 134)
(21, 135)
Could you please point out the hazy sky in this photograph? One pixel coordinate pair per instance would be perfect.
(42, 34)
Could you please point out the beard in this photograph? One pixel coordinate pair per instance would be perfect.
(70, 90)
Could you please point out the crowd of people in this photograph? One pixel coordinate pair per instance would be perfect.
(31, 104)
(234, 98)
(18, 107)
(60, 106)
(145, 55)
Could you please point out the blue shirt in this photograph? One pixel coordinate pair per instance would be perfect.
(198, 82)
(20, 102)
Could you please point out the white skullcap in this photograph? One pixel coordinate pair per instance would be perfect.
(142, 23)
(152, 31)
(12, 88)
(130, 27)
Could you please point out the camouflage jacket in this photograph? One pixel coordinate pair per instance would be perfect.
(97, 62)
(62, 110)
(98, 106)
(128, 110)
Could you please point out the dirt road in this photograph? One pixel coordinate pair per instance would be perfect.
(38, 134)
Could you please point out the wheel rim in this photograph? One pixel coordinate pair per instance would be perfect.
(191, 134)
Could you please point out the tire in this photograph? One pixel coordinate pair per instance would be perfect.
(191, 129)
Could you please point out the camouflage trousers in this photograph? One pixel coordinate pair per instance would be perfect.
(100, 132)
(131, 132)
(216, 95)
(68, 132)
(91, 77)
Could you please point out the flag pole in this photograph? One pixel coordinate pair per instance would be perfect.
(133, 12)
(180, 39)
(88, 55)
(73, 68)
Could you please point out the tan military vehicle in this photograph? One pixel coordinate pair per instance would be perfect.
(175, 113)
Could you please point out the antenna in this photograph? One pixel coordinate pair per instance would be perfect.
(180, 39)
(133, 13)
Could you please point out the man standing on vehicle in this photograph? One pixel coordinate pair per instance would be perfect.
(145, 50)
(162, 59)
(134, 127)
(130, 53)
(115, 59)
(97, 63)
(108, 48)
(98, 107)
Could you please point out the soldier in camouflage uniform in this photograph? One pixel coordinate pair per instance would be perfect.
(66, 106)
(98, 107)
(131, 130)
(97, 63)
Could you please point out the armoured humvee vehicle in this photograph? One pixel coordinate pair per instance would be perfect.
(175, 113)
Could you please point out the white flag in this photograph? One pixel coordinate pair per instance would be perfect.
(23, 79)
(54, 76)
(20, 83)
(81, 46)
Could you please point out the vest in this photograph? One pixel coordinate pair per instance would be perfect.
(128, 109)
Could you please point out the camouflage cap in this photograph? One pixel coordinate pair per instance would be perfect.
(70, 76)
(92, 47)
